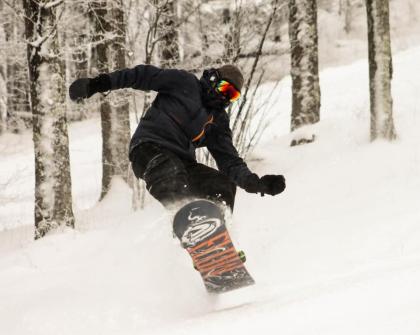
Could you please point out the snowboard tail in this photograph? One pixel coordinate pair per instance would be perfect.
(201, 229)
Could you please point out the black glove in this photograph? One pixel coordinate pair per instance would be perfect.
(252, 184)
(272, 184)
(269, 184)
(86, 87)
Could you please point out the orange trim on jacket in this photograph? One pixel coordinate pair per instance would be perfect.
(210, 121)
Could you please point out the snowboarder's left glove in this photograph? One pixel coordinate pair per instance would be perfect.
(252, 184)
(86, 87)
(272, 184)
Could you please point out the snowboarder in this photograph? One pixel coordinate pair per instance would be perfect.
(186, 114)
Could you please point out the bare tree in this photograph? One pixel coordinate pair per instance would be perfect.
(53, 201)
(142, 18)
(243, 116)
(98, 12)
(109, 53)
(18, 107)
(168, 33)
(279, 20)
(204, 38)
(380, 70)
(348, 12)
(154, 12)
(3, 69)
(77, 40)
(161, 36)
(303, 35)
(119, 138)
(247, 116)
(232, 22)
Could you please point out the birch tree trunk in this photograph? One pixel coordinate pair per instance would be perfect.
(306, 93)
(380, 70)
(53, 201)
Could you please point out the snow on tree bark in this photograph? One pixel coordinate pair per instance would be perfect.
(380, 70)
(306, 100)
(53, 200)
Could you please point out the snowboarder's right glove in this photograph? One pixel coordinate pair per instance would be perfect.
(272, 184)
(268, 184)
(86, 87)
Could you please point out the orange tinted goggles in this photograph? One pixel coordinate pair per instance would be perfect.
(228, 90)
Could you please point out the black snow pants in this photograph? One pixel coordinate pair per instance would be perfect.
(170, 179)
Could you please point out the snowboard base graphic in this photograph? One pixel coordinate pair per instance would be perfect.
(201, 229)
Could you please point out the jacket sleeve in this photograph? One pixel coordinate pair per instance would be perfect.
(226, 156)
(148, 77)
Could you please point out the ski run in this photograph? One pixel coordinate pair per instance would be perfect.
(337, 253)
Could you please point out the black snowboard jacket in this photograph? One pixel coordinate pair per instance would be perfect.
(178, 121)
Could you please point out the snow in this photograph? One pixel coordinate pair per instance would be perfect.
(337, 253)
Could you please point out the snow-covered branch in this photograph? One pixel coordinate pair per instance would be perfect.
(52, 4)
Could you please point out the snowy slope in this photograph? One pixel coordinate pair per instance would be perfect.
(337, 253)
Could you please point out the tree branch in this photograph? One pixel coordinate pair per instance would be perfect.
(52, 4)
(19, 14)
(254, 65)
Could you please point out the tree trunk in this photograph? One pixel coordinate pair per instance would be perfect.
(380, 70)
(108, 17)
(169, 43)
(303, 35)
(205, 45)
(232, 34)
(277, 23)
(3, 69)
(78, 42)
(100, 17)
(340, 6)
(117, 142)
(228, 43)
(348, 16)
(139, 186)
(53, 201)
(18, 106)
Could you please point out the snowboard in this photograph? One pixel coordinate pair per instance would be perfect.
(200, 226)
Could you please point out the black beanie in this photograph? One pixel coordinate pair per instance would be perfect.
(231, 74)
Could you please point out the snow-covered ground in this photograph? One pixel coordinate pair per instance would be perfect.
(337, 253)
